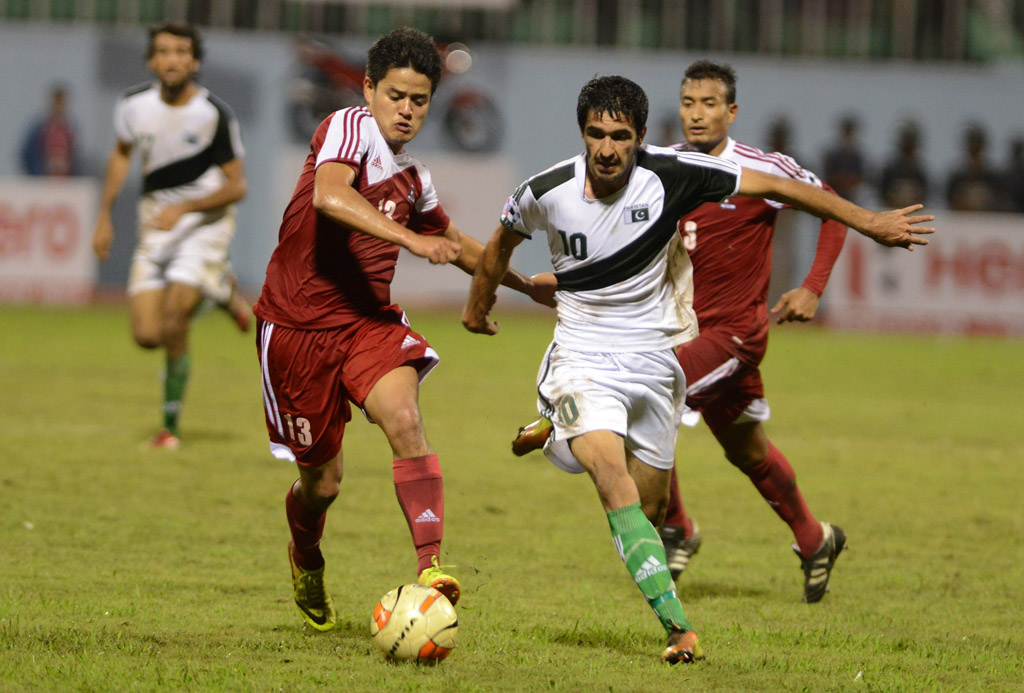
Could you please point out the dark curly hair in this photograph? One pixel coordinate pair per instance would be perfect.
(176, 29)
(616, 96)
(720, 72)
(405, 47)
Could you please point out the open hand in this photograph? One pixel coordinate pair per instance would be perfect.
(896, 228)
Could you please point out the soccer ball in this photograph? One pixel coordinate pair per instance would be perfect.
(414, 622)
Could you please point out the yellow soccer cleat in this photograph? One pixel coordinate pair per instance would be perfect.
(310, 596)
(441, 581)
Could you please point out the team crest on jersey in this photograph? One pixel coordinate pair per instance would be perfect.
(636, 214)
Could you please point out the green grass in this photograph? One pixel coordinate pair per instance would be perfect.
(124, 569)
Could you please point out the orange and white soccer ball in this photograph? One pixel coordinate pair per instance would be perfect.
(414, 622)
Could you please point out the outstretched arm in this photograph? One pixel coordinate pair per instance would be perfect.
(335, 198)
(533, 287)
(893, 228)
(492, 266)
(118, 165)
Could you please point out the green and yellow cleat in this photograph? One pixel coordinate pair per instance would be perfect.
(531, 437)
(441, 581)
(310, 596)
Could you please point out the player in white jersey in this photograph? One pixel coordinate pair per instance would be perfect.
(193, 175)
(610, 381)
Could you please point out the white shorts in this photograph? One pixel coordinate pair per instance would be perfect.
(194, 252)
(639, 396)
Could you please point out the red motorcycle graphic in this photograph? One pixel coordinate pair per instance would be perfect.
(328, 80)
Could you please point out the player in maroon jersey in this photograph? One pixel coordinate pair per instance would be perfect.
(731, 250)
(328, 332)
(730, 246)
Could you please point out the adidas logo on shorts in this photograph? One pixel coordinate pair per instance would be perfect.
(428, 516)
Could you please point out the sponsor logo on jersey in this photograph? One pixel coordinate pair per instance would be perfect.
(376, 162)
(727, 204)
(636, 214)
(409, 341)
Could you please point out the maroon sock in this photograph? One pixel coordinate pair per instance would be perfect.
(675, 515)
(421, 495)
(307, 527)
(776, 481)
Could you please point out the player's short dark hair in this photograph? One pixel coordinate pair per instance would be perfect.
(405, 47)
(616, 96)
(176, 29)
(720, 72)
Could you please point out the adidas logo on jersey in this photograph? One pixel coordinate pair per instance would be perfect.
(652, 566)
(409, 341)
(428, 516)
(376, 162)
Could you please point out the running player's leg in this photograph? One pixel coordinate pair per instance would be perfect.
(747, 447)
(393, 404)
(306, 410)
(818, 544)
(180, 300)
(602, 454)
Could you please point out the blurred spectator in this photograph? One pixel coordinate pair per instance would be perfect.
(1014, 177)
(903, 181)
(49, 146)
(669, 127)
(974, 186)
(780, 137)
(844, 167)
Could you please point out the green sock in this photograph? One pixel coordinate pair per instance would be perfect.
(641, 550)
(175, 378)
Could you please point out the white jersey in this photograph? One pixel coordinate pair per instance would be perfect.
(624, 280)
(182, 147)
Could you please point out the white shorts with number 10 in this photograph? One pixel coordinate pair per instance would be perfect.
(639, 396)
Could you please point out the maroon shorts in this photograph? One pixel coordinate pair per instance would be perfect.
(310, 376)
(718, 384)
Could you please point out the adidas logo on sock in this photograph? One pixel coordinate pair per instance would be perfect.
(409, 341)
(428, 516)
(652, 566)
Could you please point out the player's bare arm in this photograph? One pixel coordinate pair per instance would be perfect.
(234, 189)
(467, 261)
(493, 265)
(118, 166)
(334, 197)
(895, 228)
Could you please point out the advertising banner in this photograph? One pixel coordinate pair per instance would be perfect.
(46, 240)
(968, 280)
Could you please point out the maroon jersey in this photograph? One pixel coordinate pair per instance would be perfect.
(731, 251)
(322, 274)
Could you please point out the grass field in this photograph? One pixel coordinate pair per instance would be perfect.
(125, 569)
